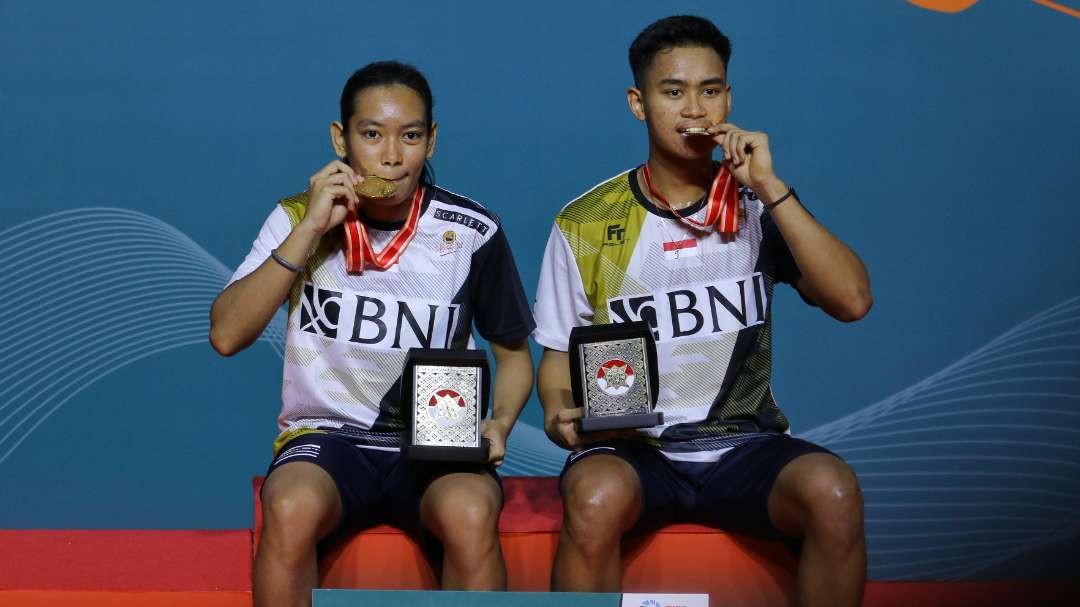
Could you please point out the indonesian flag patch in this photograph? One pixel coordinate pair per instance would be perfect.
(680, 248)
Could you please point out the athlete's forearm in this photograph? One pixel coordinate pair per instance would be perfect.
(513, 381)
(553, 384)
(243, 310)
(833, 276)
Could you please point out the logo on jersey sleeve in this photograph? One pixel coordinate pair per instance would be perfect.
(615, 377)
(696, 311)
(377, 320)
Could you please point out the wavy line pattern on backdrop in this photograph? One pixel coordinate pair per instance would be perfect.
(968, 468)
(146, 289)
(976, 464)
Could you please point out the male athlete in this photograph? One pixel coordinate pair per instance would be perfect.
(694, 247)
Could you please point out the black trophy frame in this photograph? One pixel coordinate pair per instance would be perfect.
(448, 358)
(613, 332)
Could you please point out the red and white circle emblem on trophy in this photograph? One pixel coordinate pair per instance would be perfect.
(615, 377)
(446, 406)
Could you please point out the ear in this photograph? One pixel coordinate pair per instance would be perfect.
(431, 139)
(337, 139)
(637, 105)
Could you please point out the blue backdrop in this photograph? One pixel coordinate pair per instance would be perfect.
(144, 145)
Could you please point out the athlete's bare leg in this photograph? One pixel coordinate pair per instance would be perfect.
(462, 510)
(817, 498)
(601, 501)
(301, 506)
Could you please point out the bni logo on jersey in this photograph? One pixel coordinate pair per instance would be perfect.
(446, 407)
(615, 377)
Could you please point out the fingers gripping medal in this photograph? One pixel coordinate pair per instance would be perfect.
(358, 250)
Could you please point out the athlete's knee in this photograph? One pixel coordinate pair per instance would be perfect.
(463, 512)
(467, 525)
(297, 518)
(598, 508)
(834, 503)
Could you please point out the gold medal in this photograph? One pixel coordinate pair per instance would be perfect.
(375, 187)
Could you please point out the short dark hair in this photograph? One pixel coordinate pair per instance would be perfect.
(384, 73)
(672, 32)
(387, 73)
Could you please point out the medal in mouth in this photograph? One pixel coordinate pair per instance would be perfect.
(374, 186)
(695, 130)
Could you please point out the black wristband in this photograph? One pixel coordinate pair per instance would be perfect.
(772, 205)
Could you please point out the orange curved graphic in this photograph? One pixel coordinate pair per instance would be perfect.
(944, 6)
(955, 6)
(1072, 12)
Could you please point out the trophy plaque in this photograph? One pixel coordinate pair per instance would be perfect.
(444, 395)
(614, 377)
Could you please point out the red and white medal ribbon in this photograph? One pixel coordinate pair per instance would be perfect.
(358, 250)
(721, 208)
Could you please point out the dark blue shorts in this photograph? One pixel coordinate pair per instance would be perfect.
(732, 493)
(376, 487)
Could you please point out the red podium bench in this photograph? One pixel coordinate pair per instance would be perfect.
(125, 568)
(121, 568)
(679, 558)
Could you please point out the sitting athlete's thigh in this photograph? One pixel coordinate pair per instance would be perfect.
(736, 492)
(814, 485)
(407, 485)
(326, 470)
(301, 496)
(603, 473)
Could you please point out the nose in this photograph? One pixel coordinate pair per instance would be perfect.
(693, 107)
(391, 154)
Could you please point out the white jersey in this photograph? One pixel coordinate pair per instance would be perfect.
(348, 334)
(614, 257)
